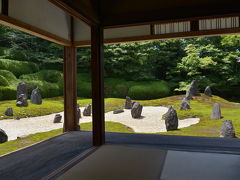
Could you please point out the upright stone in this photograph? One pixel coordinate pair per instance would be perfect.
(22, 95)
(208, 91)
(128, 103)
(57, 118)
(136, 111)
(3, 136)
(22, 100)
(171, 119)
(189, 95)
(194, 88)
(78, 115)
(9, 112)
(216, 111)
(36, 97)
(227, 130)
(87, 111)
(185, 104)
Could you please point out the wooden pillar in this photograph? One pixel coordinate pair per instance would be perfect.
(70, 89)
(97, 85)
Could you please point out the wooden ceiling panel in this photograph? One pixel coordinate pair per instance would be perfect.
(114, 13)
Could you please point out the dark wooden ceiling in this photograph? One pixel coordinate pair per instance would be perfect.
(125, 12)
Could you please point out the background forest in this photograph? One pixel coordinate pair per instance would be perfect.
(145, 70)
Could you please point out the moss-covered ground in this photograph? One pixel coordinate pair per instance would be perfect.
(201, 106)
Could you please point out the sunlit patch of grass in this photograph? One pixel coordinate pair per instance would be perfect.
(20, 143)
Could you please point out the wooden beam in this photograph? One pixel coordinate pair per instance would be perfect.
(192, 34)
(5, 7)
(70, 93)
(19, 25)
(77, 13)
(97, 85)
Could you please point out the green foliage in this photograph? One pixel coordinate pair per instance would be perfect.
(84, 89)
(15, 54)
(51, 76)
(3, 81)
(9, 76)
(47, 89)
(18, 67)
(7, 93)
(149, 90)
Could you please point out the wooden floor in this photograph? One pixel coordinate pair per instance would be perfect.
(40, 160)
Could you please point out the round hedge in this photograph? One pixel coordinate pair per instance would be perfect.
(149, 90)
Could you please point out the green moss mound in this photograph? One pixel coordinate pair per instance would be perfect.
(52, 76)
(3, 81)
(9, 76)
(18, 67)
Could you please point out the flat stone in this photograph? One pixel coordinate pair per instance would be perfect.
(9, 111)
(216, 111)
(171, 119)
(88, 110)
(227, 130)
(128, 103)
(3, 136)
(136, 111)
(118, 111)
(57, 118)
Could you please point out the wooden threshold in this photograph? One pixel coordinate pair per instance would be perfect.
(191, 34)
(27, 28)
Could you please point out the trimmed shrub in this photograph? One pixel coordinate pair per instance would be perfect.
(47, 89)
(149, 90)
(3, 81)
(18, 67)
(84, 89)
(52, 76)
(9, 76)
(7, 93)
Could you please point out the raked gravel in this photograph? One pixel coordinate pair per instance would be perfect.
(151, 122)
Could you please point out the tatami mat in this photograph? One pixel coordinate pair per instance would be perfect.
(123, 162)
(180, 165)
(115, 162)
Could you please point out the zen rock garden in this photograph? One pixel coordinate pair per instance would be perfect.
(132, 112)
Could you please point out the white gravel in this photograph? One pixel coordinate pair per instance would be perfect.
(151, 122)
